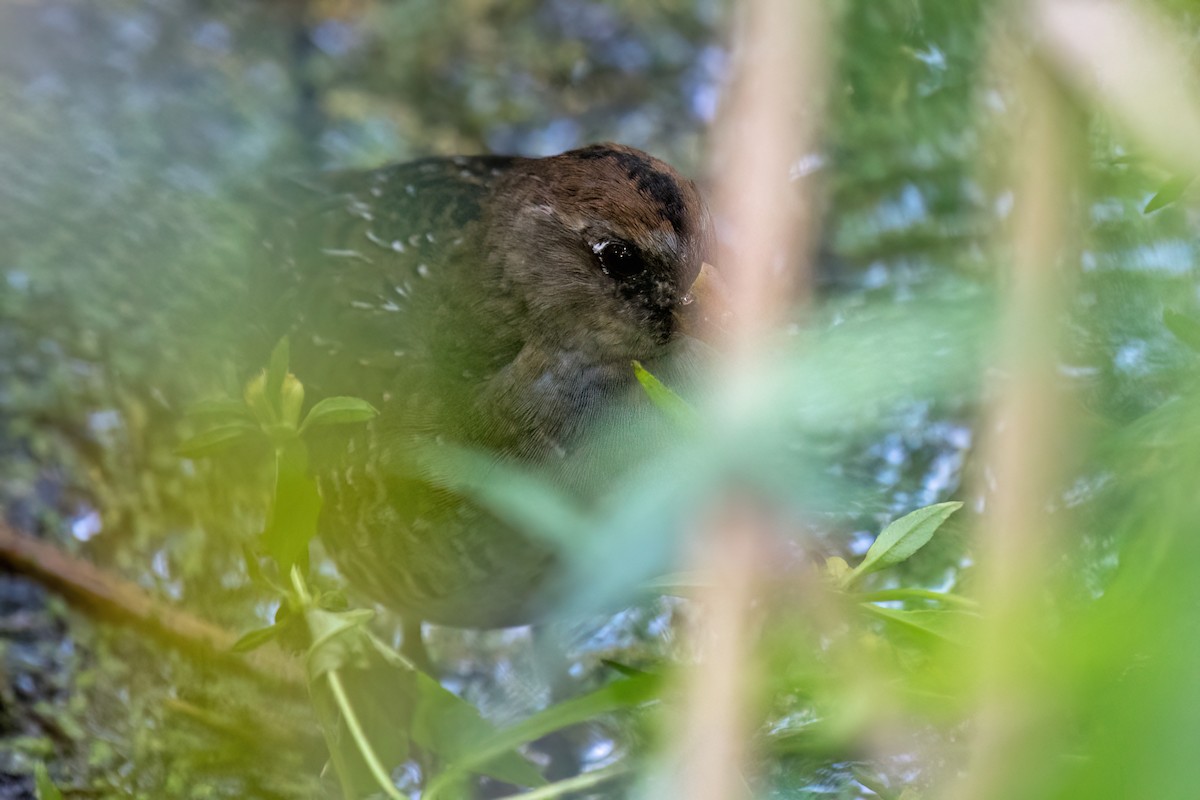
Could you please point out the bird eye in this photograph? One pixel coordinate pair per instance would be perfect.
(618, 259)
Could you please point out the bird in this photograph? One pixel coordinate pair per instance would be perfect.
(488, 302)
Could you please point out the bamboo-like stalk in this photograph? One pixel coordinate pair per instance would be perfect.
(769, 121)
(1116, 55)
(1025, 435)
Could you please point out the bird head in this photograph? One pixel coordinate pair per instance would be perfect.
(601, 246)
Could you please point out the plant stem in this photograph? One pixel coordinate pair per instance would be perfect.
(918, 594)
(585, 781)
(360, 738)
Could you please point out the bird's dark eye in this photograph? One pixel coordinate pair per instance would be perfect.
(618, 259)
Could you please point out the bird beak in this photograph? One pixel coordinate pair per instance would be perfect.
(705, 312)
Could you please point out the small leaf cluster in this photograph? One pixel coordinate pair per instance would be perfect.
(898, 542)
(270, 408)
(271, 411)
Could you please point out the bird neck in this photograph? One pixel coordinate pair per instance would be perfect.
(540, 404)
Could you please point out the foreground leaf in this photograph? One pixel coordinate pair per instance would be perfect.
(519, 498)
(1168, 193)
(252, 640)
(391, 702)
(448, 726)
(224, 409)
(940, 625)
(1184, 328)
(46, 790)
(903, 537)
(338, 411)
(667, 401)
(295, 509)
(217, 440)
(624, 693)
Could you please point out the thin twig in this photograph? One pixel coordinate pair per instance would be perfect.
(115, 599)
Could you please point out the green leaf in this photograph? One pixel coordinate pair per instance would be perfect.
(338, 411)
(363, 704)
(447, 725)
(362, 754)
(623, 669)
(46, 790)
(252, 640)
(295, 510)
(679, 583)
(940, 625)
(1185, 329)
(670, 403)
(452, 728)
(623, 693)
(1168, 193)
(903, 537)
(216, 440)
(515, 496)
(223, 409)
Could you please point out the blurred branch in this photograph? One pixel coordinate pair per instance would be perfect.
(113, 598)
(769, 121)
(715, 720)
(1128, 61)
(1024, 439)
